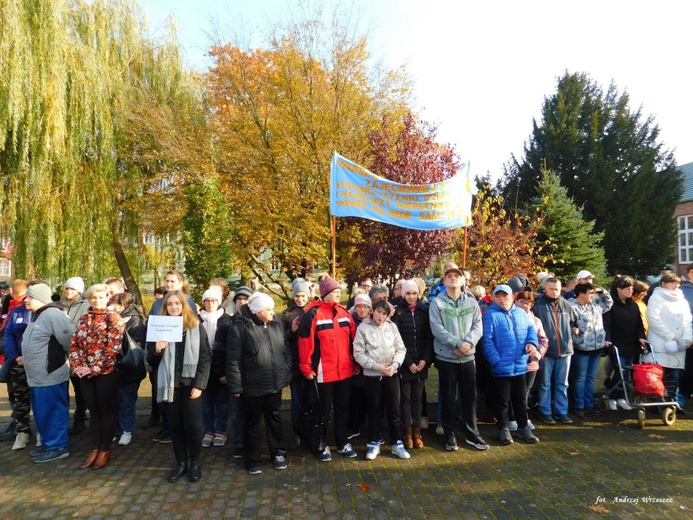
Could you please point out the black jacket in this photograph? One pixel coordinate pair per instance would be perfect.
(291, 338)
(258, 361)
(204, 361)
(624, 327)
(415, 329)
(219, 351)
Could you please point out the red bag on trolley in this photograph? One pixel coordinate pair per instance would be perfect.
(647, 379)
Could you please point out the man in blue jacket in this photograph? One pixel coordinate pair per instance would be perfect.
(509, 339)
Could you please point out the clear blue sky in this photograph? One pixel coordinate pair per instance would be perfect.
(482, 69)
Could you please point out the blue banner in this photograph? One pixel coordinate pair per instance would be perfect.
(356, 192)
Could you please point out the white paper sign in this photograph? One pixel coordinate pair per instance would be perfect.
(168, 328)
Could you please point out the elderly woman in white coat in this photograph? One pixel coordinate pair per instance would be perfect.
(670, 332)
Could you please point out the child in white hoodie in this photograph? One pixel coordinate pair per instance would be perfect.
(379, 349)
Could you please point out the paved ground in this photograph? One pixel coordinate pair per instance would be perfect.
(599, 468)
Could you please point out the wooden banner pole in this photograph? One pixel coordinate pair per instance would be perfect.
(464, 249)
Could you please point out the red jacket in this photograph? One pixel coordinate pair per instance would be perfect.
(325, 339)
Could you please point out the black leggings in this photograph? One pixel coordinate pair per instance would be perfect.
(101, 395)
(185, 419)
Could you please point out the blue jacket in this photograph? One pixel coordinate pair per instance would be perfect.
(505, 335)
(17, 321)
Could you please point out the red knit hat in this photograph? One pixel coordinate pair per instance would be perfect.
(327, 285)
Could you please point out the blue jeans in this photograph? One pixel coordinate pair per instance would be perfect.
(554, 384)
(127, 401)
(215, 409)
(586, 368)
(51, 406)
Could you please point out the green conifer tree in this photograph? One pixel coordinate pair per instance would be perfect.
(569, 243)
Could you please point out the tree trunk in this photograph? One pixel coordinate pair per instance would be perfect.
(124, 266)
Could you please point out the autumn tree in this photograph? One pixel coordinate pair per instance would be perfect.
(406, 153)
(278, 115)
(500, 242)
(612, 163)
(569, 242)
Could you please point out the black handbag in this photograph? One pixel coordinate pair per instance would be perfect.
(131, 358)
(309, 425)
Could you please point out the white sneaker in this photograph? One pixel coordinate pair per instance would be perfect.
(373, 450)
(439, 430)
(512, 426)
(623, 404)
(398, 449)
(611, 405)
(20, 441)
(530, 425)
(125, 438)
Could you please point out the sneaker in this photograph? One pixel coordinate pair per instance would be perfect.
(623, 404)
(37, 451)
(206, 440)
(381, 441)
(512, 426)
(399, 450)
(564, 419)
(477, 442)
(505, 437)
(325, 456)
(20, 441)
(347, 451)
(279, 462)
(239, 452)
(162, 437)
(530, 425)
(526, 435)
(125, 438)
(439, 430)
(51, 455)
(353, 435)
(8, 434)
(373, 450)
(610, 405)
(547, 419)
(219, 440)
(451, 443)
(254, 470)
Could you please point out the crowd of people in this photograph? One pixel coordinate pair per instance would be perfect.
(525, 344)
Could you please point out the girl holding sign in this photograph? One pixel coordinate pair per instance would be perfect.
(182, 372)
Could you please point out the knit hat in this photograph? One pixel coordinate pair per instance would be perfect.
(213, 293)
(75, 283)
(242, 291)
(518, 283)
(301, 287)
(327, 285)
(259, 302)
(40, 292)
(363, 299)
(410, 286)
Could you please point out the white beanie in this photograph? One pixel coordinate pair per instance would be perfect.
(410, 286)
(213, 293)
(259, 302)
(75, 283)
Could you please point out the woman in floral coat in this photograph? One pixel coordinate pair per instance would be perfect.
(93, 352)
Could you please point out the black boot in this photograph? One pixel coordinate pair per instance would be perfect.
(195, 471)
(181, 469)
(78, 426)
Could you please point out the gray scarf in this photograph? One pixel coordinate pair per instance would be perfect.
(166, 374)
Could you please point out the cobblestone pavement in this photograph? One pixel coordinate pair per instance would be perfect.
(603, 467)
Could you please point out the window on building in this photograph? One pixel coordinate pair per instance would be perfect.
(5, 268)
(685, 239)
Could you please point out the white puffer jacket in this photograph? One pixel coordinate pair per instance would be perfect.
(376, 345)
(669, 317)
